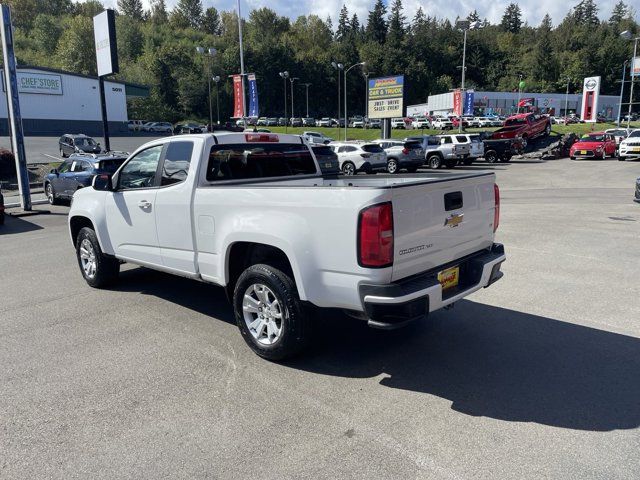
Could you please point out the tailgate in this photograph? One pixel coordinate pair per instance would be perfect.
(462, 149)
(431, 228)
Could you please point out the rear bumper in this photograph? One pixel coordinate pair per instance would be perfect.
(396, 304)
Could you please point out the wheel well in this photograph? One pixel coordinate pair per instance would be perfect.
(244, 254)
(77, 224)
(435, 154)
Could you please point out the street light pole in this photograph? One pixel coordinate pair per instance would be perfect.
(519, 91)
(628, 36)
(244, 112)
(465, 25)
(346, 121)
(624, 71)
(292, 79)
(284, 76)
(566, 101)
(216, 79)
(338, 66)
(366, 97)
(210, 53)
(307, 85)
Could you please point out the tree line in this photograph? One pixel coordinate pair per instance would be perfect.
(157, 47)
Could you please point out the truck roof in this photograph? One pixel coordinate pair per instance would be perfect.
(247, 137)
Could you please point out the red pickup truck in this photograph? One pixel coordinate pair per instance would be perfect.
(525, 125)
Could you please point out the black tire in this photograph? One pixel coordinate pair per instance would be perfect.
(621, 159)
(62, 154)
(467, 161)
(295, 323)
(106, 267)
(434, 162)
(451, 163)
(348, 169)
(2, 218)
(392, 165)
(491, 156)
(547, 130)
(572, 158)
(50, 192)
(412, 169)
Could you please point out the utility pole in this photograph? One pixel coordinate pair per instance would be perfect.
(628, 36)
(338, 66)
(216, 79)
(624, 70)
(292, 79)
(244, 111)
(284, 76)
(366, 97)
(307, 85)
(566, 101)
(346, 121)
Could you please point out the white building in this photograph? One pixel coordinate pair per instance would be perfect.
(505, 103)
(53, 102)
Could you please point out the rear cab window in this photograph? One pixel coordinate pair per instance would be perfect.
(256, 161)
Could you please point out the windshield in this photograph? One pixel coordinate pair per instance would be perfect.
(260, 160)
(635, 133)
(593, 138)
(83, 142)
(511, 122)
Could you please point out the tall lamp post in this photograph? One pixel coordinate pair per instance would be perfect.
(627, 35)
(210, 53)
(519, 91)
(366, 97)
(216, 80)
(624, 71)
(465, 26)
(285, 76)
(307, 85)
(345, 95)
(292, 79)
(566, 101)
(339, 67)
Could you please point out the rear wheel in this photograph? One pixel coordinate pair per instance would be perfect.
(547, 130)
(467, 161)
(348, 168)
(98, 269)
(491, 156)
(434, 162)
(51, 195)
(451, 163)
(392, 165)
(269, 313)
(412, 169)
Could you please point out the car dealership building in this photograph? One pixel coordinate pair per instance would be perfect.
(506, 103)
(53, 102)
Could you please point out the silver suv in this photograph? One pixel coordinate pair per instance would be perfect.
(400, 154)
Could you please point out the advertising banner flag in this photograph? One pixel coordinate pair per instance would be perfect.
(253, 95)
(457, 102)
(635, 67)
(590, 96)
(237, 96)
(468, 102)
(386, 97)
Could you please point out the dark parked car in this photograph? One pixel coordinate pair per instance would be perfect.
(77, 143)
(77, 172)
(327, 159)
(282, 122)
(2, 208)
(296, 122)
(637, 197)
(184, 128)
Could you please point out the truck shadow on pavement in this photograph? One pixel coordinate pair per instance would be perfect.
(497, 363)
(488, 361)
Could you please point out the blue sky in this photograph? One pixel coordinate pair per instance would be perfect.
(533, 10)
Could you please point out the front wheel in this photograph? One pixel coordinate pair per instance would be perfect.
(269, 313)
(491, 157)
(547, 130)
(621, 159)
(51, 195)
(348, 169)
(434, 162)
(451, 163)
(98, 269)
(392, 165)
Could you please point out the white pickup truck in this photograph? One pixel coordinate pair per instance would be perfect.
(250, 212)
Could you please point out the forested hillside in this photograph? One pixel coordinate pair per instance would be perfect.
(157, 48)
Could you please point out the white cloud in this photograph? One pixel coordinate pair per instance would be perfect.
(532, 10)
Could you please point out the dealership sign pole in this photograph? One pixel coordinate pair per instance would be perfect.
(13, 103)
(590, 96)
(104, 31)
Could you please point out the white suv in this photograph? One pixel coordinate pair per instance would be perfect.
(629, 148)
(357, 157)
(398, 123)
(476, 147)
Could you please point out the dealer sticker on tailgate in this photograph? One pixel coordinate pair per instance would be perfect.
(449, 278)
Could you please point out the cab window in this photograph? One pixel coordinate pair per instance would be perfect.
(176, 162)
(140, 171)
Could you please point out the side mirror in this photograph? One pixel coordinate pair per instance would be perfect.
(102, 182)
(54, 171)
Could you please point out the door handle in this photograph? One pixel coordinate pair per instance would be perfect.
(144, 204)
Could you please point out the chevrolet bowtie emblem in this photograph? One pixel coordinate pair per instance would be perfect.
(454, 220)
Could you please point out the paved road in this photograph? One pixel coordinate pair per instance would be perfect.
(535, 377)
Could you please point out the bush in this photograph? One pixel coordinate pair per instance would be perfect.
(7, 165)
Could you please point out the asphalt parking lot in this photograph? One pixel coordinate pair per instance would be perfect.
(536, 377)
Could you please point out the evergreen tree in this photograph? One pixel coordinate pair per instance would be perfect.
(396, 24)
(473, 16)
(211, 22)
(619, 12)
(419, 20)
(377, 25)
(342, 32)
(585, 13)
(159, 14)
(545, 64)
(512, 18)
(329, 23)
(187, 13)
(355, 24)
(46, 31)
(131, 8)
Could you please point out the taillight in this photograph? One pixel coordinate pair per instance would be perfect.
(496, 214)
(365, 155)
(375, 236)
(405, 151)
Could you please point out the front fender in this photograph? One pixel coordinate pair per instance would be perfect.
(89, 203)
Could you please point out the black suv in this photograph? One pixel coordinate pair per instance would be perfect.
(70, 143)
